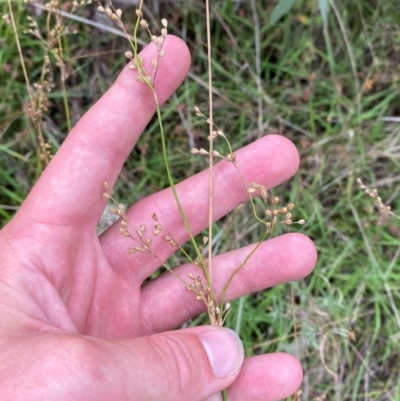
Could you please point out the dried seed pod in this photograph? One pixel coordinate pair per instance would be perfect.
(197, 111)
(129, 55)
(231, 157)
(275, 200)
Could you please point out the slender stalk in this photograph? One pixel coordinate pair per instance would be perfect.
(178, 202)
(64, 89)
(241, 266)
(211, 160)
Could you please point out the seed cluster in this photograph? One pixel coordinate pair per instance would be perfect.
(373, 193)
(136, 63)
(113, 13)
(216, 132)
(158, 228)
(143, 243)
(206, 294)
(56, 28)
(271, 211)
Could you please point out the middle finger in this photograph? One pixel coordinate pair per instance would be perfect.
(269, 161)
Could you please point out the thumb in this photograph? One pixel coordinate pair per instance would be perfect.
(183, 365)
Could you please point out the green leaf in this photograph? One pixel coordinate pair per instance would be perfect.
(280, 10)
(324, 8)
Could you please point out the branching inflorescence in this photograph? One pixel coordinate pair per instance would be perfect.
(199, 282)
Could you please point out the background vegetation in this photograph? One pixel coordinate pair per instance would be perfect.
(324, 74)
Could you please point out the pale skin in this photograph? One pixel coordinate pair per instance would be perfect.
(76, 322)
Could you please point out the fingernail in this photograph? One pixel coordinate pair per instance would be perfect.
(224, 350)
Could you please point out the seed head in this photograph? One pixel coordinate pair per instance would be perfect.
(231, 157)
(197, 111)
(275, 200)
(144, 24)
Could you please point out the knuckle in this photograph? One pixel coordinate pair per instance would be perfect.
(176, 358)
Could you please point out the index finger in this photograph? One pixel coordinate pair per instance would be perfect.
(97, 147)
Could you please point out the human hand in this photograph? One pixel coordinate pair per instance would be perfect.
(76, 322)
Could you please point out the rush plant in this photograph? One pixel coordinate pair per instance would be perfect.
(200, 281)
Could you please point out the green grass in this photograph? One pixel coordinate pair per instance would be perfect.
(347, 311)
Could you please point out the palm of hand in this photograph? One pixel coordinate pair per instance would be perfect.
(61, 279)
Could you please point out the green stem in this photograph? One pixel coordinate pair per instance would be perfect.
(178, 202)
(241, 266)
(64, 89)
(250, 197)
